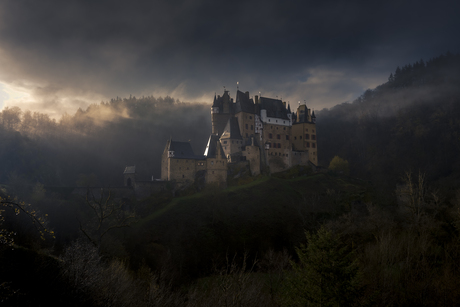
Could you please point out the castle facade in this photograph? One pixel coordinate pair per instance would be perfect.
(261, 133)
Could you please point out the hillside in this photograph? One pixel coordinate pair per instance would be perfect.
(270, 213)
(410, 123)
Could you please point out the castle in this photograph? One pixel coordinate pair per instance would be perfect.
(261, 133)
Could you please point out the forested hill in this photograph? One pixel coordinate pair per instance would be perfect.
(410, 123)
(100, 140)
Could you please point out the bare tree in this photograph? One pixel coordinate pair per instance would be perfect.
(107, 214)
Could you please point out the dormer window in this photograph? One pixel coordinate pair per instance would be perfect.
(171, 154)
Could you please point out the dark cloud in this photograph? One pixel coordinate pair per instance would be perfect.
(193, 48)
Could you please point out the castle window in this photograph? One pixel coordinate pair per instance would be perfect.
(307, 144)
(313, 137)
(270, 135)
(250, 117)
(182, 176)
(225, 142)
(295, 138)
(246, 135)
(284, 128)
(307, 136)
(246, 126)
(300, 137)
(212, 162)
(313, 145)
(268, 119)
(276, 120)
(306, 130)
(278, 137)
(252, 127)
(287, 137)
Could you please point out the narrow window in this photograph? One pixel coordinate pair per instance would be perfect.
(313, 145)
(287, 137)
(313, 137)
(307, 136)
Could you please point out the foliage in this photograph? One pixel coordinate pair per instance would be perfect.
(339, 165)
(327, 273)
(38, 220)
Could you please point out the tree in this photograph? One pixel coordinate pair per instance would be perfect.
(339, 165)
(327, 273)
(108, 214)
(11, 118)
(6, 236)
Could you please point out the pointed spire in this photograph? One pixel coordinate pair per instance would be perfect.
(289, 108)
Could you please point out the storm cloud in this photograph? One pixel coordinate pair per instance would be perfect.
(69, 54)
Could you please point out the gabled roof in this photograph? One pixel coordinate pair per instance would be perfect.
(244, 103)
(232, 130)
(213, 146)
(182, 150)
(274, 107)
(130, 170)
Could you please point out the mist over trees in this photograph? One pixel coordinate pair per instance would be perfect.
(410, 122)
(100, 140)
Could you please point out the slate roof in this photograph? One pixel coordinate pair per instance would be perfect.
(182, 150)
(244, 103)
(130, 170)
(274, 107)
(211, 148)
(232, 129)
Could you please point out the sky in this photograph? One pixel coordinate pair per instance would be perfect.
(57, 56)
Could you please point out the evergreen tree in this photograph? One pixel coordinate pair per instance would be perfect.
(327, 273)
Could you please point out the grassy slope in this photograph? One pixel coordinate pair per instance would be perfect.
(268, 213)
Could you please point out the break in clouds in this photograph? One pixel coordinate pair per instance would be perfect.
(57, 56)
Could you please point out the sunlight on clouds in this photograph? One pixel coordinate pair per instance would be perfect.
(11, 95)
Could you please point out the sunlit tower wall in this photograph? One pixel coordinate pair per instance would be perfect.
(304, 133)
